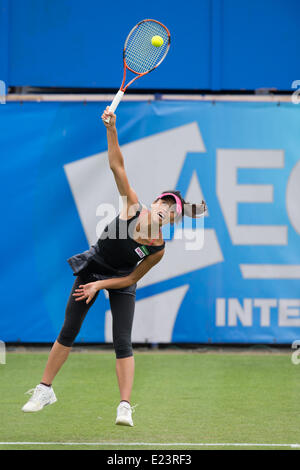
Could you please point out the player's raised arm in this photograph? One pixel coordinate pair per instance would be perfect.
(116, 160)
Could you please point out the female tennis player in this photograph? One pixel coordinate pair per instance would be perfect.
(116, 263)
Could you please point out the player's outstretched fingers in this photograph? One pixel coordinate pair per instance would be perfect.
(79, 294)
(80, 298)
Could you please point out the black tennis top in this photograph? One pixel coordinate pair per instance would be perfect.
(116, 252)
(117, 246)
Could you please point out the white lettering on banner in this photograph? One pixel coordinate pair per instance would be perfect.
(270, 271)
(220, 312)
(288, 312)
(230, 194)
(265, 306)
(236, 311)
(293, 197)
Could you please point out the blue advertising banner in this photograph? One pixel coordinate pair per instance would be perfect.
(233, 277)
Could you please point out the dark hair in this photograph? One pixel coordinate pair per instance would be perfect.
(188, 209)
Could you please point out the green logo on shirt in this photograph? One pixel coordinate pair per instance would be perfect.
(145, 250)
(142, 251)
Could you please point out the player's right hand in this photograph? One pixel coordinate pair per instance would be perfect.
(86, 291)
(107, 113)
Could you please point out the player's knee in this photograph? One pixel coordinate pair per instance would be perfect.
(67, 336)
(123, 347)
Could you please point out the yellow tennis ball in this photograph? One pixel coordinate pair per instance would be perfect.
(157, 41)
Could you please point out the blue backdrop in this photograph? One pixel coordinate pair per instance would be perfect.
(216, 44)
(242, 286)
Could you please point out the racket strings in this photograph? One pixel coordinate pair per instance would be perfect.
(140, 55)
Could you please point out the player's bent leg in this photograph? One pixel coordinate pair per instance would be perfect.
(57, 357)
(43, 394)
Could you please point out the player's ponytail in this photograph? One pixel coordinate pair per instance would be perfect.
(193, 210)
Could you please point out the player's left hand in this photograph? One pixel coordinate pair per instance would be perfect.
(86, 291)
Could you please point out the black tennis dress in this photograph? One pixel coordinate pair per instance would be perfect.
(116, 253)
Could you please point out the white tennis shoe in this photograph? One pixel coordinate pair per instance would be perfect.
(41, 396)
(124, 414)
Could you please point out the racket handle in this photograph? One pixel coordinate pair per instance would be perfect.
(115, 103)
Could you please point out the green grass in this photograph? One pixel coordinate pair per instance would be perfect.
(187, 398)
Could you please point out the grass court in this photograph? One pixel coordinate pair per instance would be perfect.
(186, 400)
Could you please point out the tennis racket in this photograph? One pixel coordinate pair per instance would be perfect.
(140, 56)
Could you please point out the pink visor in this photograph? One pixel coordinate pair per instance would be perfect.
(178, 201)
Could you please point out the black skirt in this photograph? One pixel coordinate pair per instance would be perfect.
(90, 262)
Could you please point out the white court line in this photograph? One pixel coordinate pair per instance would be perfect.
(154, 444)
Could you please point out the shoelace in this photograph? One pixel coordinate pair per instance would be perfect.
(33, 392)
(132, 408)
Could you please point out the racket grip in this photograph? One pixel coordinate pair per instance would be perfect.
(115, 103)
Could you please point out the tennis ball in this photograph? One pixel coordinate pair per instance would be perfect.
(157, 41)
